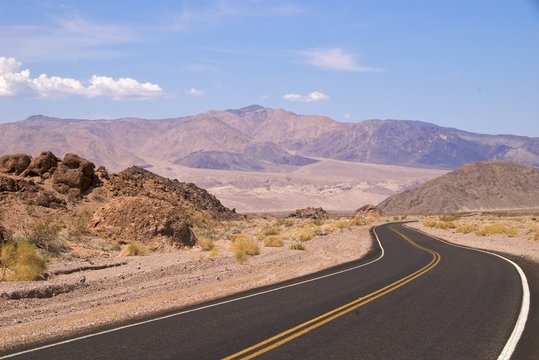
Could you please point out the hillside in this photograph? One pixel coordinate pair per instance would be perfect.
(255, 138)
(475, 186)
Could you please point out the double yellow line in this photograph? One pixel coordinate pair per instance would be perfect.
(299, 330)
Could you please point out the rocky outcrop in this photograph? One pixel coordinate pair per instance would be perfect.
(42, 165)
(155, 222)
(368, 211)
(74, 175)
(14, 163)
(310, 213)
(29, 192)
(2, 234)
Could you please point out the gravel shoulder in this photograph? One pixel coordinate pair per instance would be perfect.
(136, 287)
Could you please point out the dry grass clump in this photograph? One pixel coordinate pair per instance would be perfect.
(243, 246)
(271, 230)
(359, 222)
(273, 241)
(135, 249)
(297, 246)
(437, 223)
(20, 261)
(43, 233)
(80, 226)
(466, 228)
(496, 228)
(342, 225)
(206, 244)
(305, 235)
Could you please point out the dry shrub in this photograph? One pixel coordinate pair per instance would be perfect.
(305, 235)
(359, 222)
(80, 226)
(466, 228)
(496, 228)
(433, 222)
(342, 225)
(534, 230)
(271, 230)
(20, 261)
(43, 233)
(297, 246)
(206, 244)
(273, 241)
(135, 249)
(243, 246)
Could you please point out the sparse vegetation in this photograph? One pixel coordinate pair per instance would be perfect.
(273, 241)
(135, 249)
(297, 246)
(305, 235)
(243, 246)
(342, 225)
(271, 230)
(20, 261)
(43, 233)
(466, 228)
(206, 244)
(438, 223)
(81, 223)
(496, 228)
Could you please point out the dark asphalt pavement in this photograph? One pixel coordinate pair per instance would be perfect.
(462, 307)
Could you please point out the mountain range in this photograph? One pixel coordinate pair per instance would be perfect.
(261, 139)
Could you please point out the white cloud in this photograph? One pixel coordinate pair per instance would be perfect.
(314, 96)
(16, 82)
(194, 92)
(334, 59)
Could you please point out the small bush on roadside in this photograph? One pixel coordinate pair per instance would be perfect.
(359, 222)
(135, 249)
(438, 224)
(342, 225)
(496, 228)
(206, 244)
(305, 235)
(243, 246)
(273, 241)
(534, 230)
(20, 261)
(466, 228)
(297, 246)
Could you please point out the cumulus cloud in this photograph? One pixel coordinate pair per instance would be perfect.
(334, 59)
(314, 96)
(17, 82)
(194, 92)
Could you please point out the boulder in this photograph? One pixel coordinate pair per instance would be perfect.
(29, 192)
(14, 163)
(154, 222)
(74, 175)
(368, 211)
(310, 213)
(42, 165)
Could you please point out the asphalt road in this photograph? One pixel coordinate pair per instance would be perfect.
(418, 298)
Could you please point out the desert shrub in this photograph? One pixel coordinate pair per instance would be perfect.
(135, 249)
(318, 222)
(43, 233)
(448, 217)
(273, 241)
(205, 227)
(496, 228)
(534, 230)
(297, 246)
(80, 226)
(206, 244)
(20, 261)
(359, 222)
(305, 235)
(433, 222)
(466, 228)
(342, 225)
(243, 246)
(271, 230)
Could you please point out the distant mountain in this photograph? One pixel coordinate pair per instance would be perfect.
(255, 138)
(475, 186)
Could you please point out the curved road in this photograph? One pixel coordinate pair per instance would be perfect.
(414, 298)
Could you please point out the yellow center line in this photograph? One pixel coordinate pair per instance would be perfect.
(299, 330)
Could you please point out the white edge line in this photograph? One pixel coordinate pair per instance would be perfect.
(199, 308)
(520, 324)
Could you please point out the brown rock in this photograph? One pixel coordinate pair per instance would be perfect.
(310, 213)
(155, 222)
(42, 165)
(14, 163)
(368, 211)
(74, 175)
(2, 234)
(30, 192)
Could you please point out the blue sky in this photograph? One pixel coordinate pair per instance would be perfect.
(469, 64)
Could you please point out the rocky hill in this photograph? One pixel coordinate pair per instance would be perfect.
(133, 205)
(475, 186)
(255, 138)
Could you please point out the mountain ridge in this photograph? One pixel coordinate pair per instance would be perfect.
(130, 141)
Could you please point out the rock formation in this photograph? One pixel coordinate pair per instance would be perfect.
(310, 213)
(74, 175)
(368, 211)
